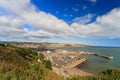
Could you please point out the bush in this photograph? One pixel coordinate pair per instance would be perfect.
(48, 64)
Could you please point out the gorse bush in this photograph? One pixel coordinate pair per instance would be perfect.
(48, 64)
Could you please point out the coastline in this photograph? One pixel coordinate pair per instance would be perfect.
(72, 69)
(65, 62)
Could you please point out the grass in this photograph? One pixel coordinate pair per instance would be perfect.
(21, 64)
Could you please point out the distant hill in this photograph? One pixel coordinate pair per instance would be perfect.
(63, 45)
(45, 44)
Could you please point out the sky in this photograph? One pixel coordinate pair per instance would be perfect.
(90, 22)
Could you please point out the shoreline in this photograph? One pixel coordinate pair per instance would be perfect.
(65, 62)
(72, 69)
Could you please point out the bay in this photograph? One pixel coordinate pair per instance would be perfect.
(96, 64)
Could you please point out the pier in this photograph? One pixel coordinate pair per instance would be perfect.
(76, 63)
(104, 56)
(99, 55)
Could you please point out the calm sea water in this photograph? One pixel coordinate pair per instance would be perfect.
(96, 64)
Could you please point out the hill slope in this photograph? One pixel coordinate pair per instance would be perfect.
(21, 64)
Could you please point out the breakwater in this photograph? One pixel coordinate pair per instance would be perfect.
(104, 56)
(76, 63)
(99, 55)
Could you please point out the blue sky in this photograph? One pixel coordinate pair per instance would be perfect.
(90, 22)
(70, 9)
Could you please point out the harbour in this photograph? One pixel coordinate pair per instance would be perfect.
(64, 61)
(95, 64)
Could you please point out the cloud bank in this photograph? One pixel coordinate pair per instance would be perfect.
(14, 14)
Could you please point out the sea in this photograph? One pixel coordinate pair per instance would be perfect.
(96, 64)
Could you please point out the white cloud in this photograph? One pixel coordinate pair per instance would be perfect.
(75, 9)
(94, 1)
(84, 19)
(84, 7)
(46, 25)
(67, 15)
(106, 26)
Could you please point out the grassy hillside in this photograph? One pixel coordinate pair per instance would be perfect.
(21, 64)
(110, 74)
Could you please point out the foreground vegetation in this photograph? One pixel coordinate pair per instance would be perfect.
(110, 74)
(22, 64)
